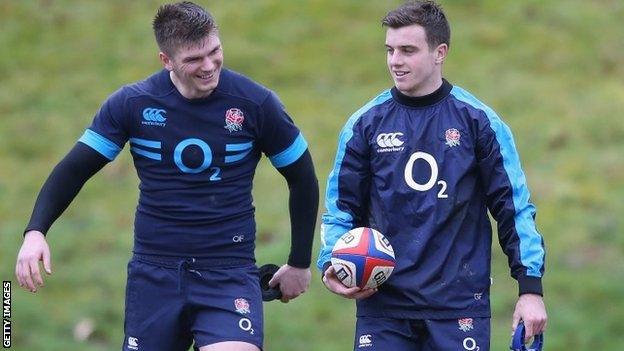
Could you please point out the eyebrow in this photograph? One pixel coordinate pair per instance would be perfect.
(191, 58)
(215, 49)
(403, 46)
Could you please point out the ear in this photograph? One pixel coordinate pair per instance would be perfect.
(441, 51)
(166, 61)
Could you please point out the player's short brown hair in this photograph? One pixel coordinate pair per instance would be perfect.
(426, 14)
(181, 23)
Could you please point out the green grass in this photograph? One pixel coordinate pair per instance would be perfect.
(551, 69)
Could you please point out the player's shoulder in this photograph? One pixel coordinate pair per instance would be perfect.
(154, 85)
(371, 110)
(372, 105)
(375, 103)
(462, 98)
(157, 84)
(237, 85)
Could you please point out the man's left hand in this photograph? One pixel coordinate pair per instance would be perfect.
(293, 281)
(531, 310)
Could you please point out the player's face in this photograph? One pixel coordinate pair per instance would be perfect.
(195, 69)
(415, 68)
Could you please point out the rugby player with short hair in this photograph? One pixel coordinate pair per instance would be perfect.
(196, 132)
(422, 163)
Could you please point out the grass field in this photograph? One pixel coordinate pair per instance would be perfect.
(551, 69)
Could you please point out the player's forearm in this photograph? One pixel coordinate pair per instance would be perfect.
(346, 202)
(63, 184)
(509, 203)
(522, 243)
(303, 207)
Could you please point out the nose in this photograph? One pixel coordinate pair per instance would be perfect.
(394, 58)
(207, 64)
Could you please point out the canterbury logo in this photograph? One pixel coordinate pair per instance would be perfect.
(133, 343)
(389, 140)
(366, 340)
(154, 115)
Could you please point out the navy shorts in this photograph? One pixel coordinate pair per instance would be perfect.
(382, 334)
(173, 302)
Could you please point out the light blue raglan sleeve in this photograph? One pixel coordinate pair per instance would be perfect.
(348, 184)
(508, 197)
(343, 200)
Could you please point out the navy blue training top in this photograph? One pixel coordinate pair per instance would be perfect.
(424, 172)
(196, 160)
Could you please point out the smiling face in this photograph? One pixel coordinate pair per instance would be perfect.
(415, 67)
(195, 69)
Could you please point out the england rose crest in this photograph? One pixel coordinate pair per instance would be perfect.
(465, 324)
(242, 306)
(452, 137)
(234, 120)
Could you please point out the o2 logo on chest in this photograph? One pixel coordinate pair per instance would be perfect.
(238, 151)
(207, 158)
(433, 179)
(192, 155)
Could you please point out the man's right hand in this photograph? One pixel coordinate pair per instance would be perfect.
(334, 285)
(34, 249)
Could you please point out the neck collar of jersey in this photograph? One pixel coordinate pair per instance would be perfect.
(166, 79)
(425, 100)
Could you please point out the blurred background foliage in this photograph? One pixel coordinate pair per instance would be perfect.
(551, 69)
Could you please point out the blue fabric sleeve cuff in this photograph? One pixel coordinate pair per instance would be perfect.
(291, 154)
(104, 146)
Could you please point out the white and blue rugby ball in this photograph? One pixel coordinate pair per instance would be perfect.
(363, 257)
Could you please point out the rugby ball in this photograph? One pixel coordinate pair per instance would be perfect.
(363, 257)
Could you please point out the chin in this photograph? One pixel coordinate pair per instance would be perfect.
(405, 88)
(204, 88)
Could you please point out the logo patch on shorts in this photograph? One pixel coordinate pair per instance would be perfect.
(465, 324)
(242, 306)
(365, 340)
(133, 343)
